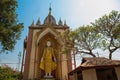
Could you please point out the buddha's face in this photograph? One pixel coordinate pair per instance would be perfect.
(48, 43)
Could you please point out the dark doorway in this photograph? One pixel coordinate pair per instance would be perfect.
(106, 74)
(79, 75)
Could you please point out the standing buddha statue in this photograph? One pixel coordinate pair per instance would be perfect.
(48, 60)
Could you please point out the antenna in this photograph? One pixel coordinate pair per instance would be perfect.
(19, 58)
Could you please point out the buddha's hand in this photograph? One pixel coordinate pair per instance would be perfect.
(55, 59)
(41, 59)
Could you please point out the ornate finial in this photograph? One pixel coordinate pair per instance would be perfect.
(32, 23)
(50, 9)
(38, 22)
(65, 23)
(60, 22)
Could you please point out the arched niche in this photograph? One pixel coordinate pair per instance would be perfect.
(57, 48)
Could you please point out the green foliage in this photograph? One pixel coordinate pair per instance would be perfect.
(7, 73)
(109, 26)
(104, 42)
(104, 33)
(85, 38)
(10, 29)
(73, 35)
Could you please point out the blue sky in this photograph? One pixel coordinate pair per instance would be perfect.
(75, 12)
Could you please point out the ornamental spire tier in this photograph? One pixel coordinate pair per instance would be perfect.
(60, 22)
(38, 22)
(50, 19)
(32, 23)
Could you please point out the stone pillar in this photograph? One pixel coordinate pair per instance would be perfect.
(64, 67)
(89, 74)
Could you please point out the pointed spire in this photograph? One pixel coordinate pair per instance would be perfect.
(60, 22)
(32, 23)
(50, 9)
(38, 22)
(65, 23)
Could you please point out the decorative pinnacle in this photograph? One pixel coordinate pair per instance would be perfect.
(32, 23)
(65, 23)
(50, 9)
(60, 22)
(38, 22)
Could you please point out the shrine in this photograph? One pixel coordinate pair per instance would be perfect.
(47, 56)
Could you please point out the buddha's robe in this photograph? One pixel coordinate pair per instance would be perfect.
(48, 64)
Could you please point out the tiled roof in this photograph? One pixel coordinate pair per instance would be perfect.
(98, 61)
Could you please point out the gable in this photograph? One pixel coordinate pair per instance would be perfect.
(47, 31)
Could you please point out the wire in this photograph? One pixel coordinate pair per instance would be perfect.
(10, 63)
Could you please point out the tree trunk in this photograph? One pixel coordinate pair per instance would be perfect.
(89, 53)
(92, 55)
(112, 51)
(110, 55)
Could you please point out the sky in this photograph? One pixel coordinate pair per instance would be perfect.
(75, 12)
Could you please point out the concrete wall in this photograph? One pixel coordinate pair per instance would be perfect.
(117, 69)
(89, 74)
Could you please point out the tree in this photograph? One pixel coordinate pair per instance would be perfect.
(10, 28)
(85, 39)
(6, 73)
(109, 26)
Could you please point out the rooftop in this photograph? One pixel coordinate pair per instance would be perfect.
(97, 63)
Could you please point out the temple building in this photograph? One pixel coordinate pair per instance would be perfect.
(47, 50)
(98, 68)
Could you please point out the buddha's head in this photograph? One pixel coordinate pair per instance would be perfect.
(48, 43)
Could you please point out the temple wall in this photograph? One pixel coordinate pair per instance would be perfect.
(89, 74)
(64, 67)
(27, 59)
(60, 30)
(37, 52)
(117, 70)
(32, 58)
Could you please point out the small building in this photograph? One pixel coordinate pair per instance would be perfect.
(98, 68)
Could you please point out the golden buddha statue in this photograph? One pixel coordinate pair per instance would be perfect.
(48, 60)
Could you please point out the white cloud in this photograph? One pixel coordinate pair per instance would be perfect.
(82, 12)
